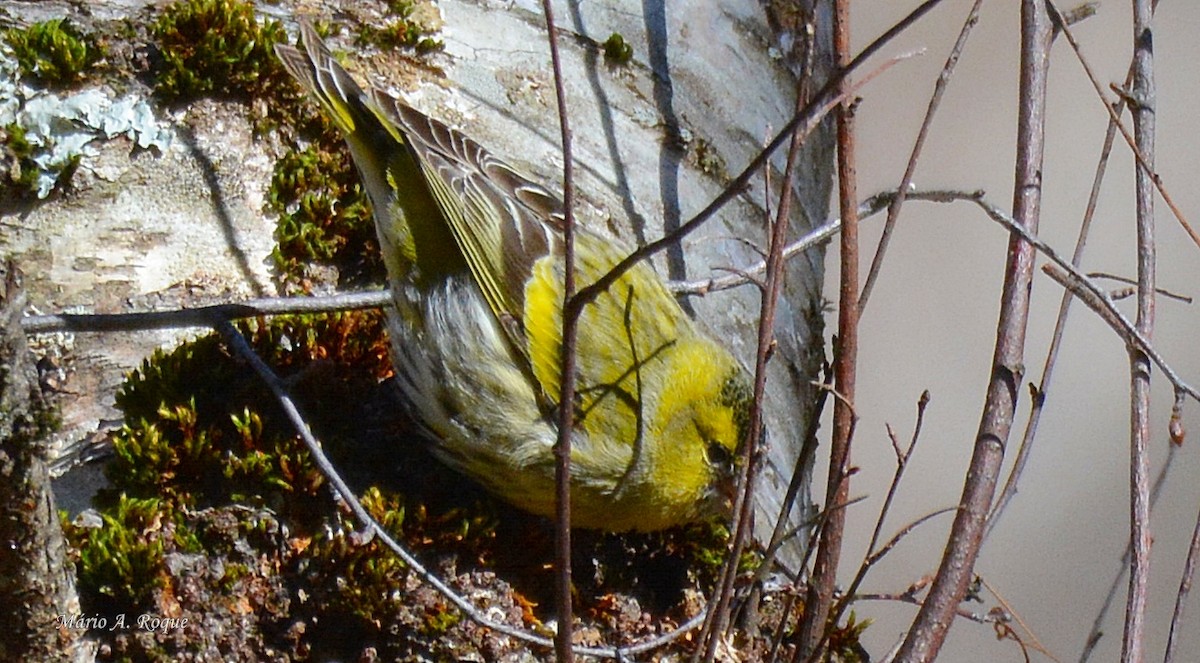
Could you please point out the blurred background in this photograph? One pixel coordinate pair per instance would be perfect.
(930, 324)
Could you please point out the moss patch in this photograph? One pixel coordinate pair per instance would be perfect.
(216, 47)
(324, 217)
(55, 52)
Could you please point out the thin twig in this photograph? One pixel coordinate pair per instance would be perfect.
(1097, 631)
(234, 339)
(800, 474)
(715, 629)
(935, 100)
(1124, 279)
(1016, 616)
(236, 342)
(203, 316)
(815, 237)
(874, 552)
(1134, 638)
(910, 596)
(1025, 449)
(1142, 161)
(823, 578)
(1185, 588)
(850, 596)
(933, 621)
(891, 543)
(902, 458)
(566, 414)
(1068, 276)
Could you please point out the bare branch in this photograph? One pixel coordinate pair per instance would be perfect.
(1038, 402)
(203, 316)
(823, 577)
(570, 321)
(936, 615)
(1093, 637)
(1134, 640)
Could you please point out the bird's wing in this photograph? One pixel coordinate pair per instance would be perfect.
(504, 222)
(415, 242)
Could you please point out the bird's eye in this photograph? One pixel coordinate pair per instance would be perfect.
(719, 454)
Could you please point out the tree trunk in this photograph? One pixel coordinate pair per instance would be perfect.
(656, 139)
(36, 583)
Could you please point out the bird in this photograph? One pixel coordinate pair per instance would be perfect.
(474, 252)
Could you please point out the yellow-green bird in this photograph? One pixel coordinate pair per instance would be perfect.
(474, 253)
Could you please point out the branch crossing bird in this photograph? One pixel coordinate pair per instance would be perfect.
(474, 254)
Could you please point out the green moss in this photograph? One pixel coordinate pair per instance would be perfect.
(616, 50)
(19, 175)
(708, 159)
(440, 618)
(202, 430)
(365, 590)
(216, 47)
(54, 52)
(845, 641)
(324, 216)
(363, 583)
(121, 561)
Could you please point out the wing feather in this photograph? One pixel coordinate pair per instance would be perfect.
(503, 222)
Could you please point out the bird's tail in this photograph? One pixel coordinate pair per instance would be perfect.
(316, 70)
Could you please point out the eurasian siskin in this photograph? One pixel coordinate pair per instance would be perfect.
(474, 254)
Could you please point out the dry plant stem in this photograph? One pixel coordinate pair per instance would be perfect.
(936, 615)
(1124, 279)
(802, 469)
(1071, 278)
(815, 237)
(1064, 307)
(822, 581)
(206, 316)
(236, 342)
(868, 563)
(901, 464)
(1129, 140)
(800, 473)
(1097, 632)
(1038, 405)
(1185, 588)
(935, 101)
(719, 622)
(1098, 300)
(1016, 616)
(874, 552)
(1079, 284)
(1133, 644)
(563, 651)
(912, 599)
